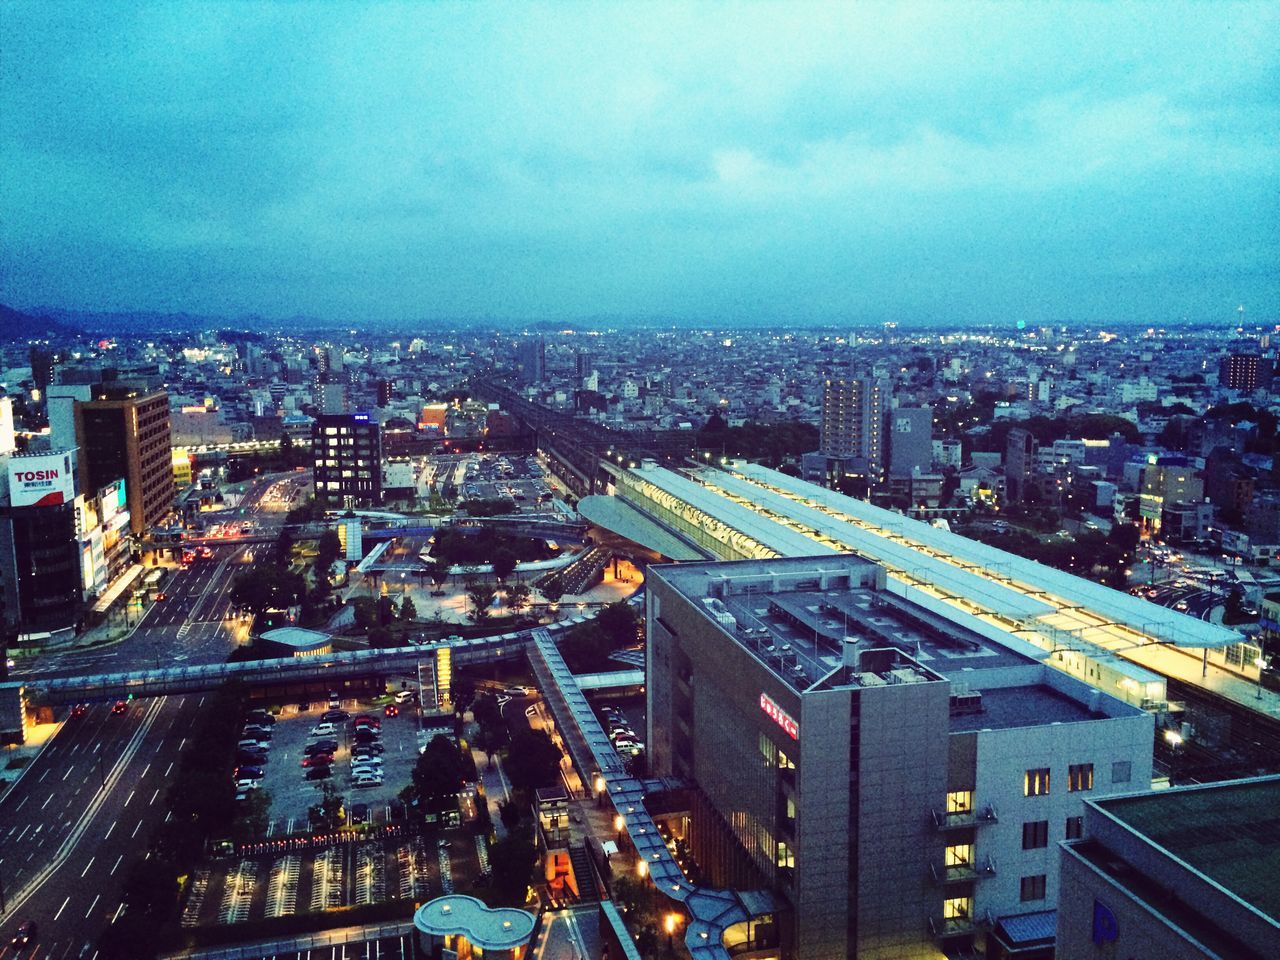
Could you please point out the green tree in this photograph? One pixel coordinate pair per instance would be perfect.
(552, 591)
(386, 611)
(366, 613)
(619, 622)
(533, 760)
(511, 861)
(439, 774)
(408, 609)
(518, 597)
(504, 563)
(328, 549)
(480, 594)
(284, 548)
(438, 570)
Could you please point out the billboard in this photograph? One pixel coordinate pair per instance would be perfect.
(41, 480)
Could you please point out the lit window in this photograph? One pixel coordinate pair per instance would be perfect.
(786, 856)
(960, 855)
(960, 801)
(1037, 783)
(957, 908)
(1080, 777)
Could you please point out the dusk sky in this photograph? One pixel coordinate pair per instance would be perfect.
(721, 162)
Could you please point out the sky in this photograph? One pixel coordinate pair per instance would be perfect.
(757, 163)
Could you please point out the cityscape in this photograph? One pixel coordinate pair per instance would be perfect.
(590, 484)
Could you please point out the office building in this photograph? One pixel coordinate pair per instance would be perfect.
(329, 394)
(122, 434)
(1019, 464)
(583, 364)
(1188, 873)
(384, 388)
(42, 366)
(531, 360)
(910, 438)
(346, 454)
(899, 782)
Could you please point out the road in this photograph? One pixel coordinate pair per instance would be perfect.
(194, 623)
(76, 889)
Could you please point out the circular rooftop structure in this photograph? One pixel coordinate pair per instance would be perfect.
(297, 641)
(489, 928)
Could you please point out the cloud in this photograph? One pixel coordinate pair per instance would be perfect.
(562, 160)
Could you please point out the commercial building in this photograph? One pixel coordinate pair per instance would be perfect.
(346, 452)
(531, 360)
(123, 434)
(457, 927)
(899, 781)
(1188, 873)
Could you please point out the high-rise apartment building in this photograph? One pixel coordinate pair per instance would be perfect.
(1245, 372)
(531, 360)
(851, 444)
(1019, 463)
(910, 438)
(329, 394)
(384, 388)
(898, 782)
(346, 452)
(123, 434)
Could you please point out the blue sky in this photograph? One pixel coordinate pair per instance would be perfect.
(765, 163)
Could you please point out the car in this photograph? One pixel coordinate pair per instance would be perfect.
(78, 710)
(323, 730)
(247, 784)
(367, 781)
(366, 761)
(335, 716)
(261, 718)
(391, 710)
(206, 552)
(367, 718)
(120, 706)
(251, 743)
(249, 773)
(366, 736)
(319, 773)
(160, 595)
(318, 760)
(367, 748)
(27, 932)
(257, 733)
(517, 691)
(254, 758)
(1180, 605)
(321, 746)
(405, 696)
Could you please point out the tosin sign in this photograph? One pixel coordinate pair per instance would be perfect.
(41, 480)
(780, 716)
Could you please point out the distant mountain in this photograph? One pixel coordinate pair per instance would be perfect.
(15, 325)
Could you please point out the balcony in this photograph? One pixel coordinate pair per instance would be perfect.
(964, 818)
(943, 929)
(962, 872)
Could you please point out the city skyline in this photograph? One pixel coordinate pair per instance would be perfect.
(913, 163)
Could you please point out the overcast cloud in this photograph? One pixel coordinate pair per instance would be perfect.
(713, 162)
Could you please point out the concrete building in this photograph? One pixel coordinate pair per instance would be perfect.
(851, 444)
(1019, 461)
(1245, 372)
(346, 451)
(123, 434)
(898, 781)
(1167, 479)
(531, 360)
(1188, 873)
(910, 438)
(456, 927)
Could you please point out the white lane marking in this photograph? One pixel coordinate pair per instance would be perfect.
(168, 768)
(135, 830)
(63, 907)
(92, 905)
(68, 773)
(116, 864)
(47, 802)
(109, 829)
(153, 797)
(144, 771)
(20, 806)
(87, 866)
(119, 910)
(131, 793)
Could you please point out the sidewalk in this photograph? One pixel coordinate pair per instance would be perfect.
(38, 736)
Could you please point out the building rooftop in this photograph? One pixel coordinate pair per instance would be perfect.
(1230, 832)
(489, 928)
(1031, 705)
(299, 638)
(797, 616)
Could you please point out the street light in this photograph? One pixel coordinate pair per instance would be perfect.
(1261, 663)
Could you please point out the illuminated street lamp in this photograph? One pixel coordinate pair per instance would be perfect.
(1261, 663)
(672, 921)
(1173, 738)
(642, 868)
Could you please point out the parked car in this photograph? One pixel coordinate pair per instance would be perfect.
(405, 696)
(78, 710)
(249, 773)
(367, 781)
(517, 691)
(335, 716)
(318, 760)
(321, 746)
(319, 773)
(323, 730)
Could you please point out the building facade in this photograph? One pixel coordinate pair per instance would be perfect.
(899, 782)
(346, 452)
(123, 434)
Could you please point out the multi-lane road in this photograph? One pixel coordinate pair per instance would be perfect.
(71, 826)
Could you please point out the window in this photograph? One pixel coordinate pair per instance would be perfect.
(960, 855)
(1075, 828)
(786, 856)
(1037, 783)
(1121, 771)
(1033, 887)
(1035, 834)
(957, 908)
(1079, 777)
(960, 801)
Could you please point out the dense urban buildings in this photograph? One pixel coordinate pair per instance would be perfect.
(347, 459)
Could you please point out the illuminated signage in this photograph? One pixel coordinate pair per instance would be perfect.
(779, 716)
(41, 481)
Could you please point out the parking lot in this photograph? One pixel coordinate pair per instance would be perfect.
(286, 779)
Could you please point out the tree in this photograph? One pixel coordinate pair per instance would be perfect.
(380, 637)
(328, 549)
(552, 591)
(438, 570)
(284, 548)
(408, 609)
(386, 611)
(533, 760)
(1124, 537)
(267, 589)
(439, 774)
(509, 812)
(511, 861)
(504, 563)
(365, 610)
(518, 596)
(618, 622)
(481, 595)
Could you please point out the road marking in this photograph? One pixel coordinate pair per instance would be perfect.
(87, 866)
(43, 775)
(168, 768)
(119, 910)
(116, 864)
(63, 907)
(92, 905)
(19, 806)
(68, 773)
(47, 802)
(109, 829)
(131, 793)
(136, 829)
(153, 797)
(144, 771)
